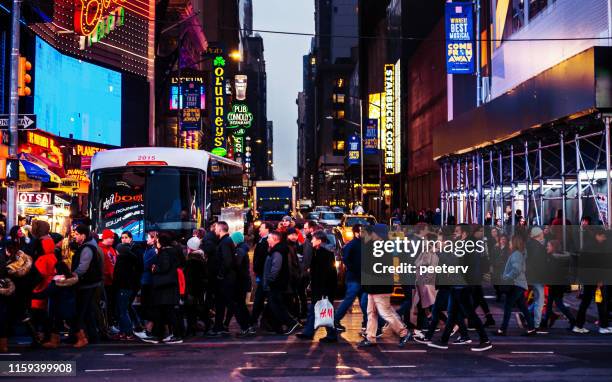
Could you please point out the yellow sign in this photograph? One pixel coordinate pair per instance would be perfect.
(77, 174)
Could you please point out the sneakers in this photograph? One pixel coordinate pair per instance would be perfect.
(422, 340)
(252, 330)
(379, 333)
(605, 330)
(171, 340)
(454, 331)
(482, 346)
(462, 341)
(339, 327)
(150, 340)
(292, 329)
(501, 333)
(404, 340)
(366, 344)
(143, 334)
(245, 333)
(531, 332)
(438, 345)
(580, 330)
(541, 330)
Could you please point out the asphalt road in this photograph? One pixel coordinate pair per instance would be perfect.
(558, 356)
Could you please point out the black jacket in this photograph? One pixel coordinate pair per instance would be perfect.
(276, 269)
(165, 277)
(536, 262)
(243, 272)
(128, 269)
(227, 262)
(93, 275)
(196, 277)
(323, 275)
(259, 256)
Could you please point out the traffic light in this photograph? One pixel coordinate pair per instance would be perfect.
(24, 78)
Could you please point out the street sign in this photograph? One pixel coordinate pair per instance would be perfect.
(25, 122)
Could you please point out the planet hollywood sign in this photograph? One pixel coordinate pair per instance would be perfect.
(95, 19)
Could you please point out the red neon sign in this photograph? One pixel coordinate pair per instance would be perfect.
(89, 13)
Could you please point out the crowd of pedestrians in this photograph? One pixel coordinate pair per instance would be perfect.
(104, 286)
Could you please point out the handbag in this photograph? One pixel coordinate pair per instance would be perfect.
(324, 313)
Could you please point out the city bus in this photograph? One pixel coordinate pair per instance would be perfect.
(161, 189)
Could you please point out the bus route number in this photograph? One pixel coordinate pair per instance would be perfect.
(146, 157)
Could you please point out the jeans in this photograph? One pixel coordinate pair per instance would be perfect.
(380, 304)
(309, 328)
(538, 304)
(516, 296)
(353, 291)
(460, 307)
(122, 303)
(588, 294)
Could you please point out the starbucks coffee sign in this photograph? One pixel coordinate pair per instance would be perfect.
(240, 116)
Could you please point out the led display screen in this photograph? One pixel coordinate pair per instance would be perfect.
(76, 99)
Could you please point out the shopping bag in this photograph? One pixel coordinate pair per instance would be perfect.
(324, 313)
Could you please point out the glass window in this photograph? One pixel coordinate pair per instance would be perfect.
(120, 201)
(359, 220)
(173, 199)
(536, 6)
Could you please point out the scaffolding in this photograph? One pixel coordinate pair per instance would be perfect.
(561, 167)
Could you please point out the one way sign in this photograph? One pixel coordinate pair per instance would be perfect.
(25, 122)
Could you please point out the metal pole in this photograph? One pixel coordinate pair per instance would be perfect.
(608, 165)
(480, 195)
(501, 193)
(361, 151)
(492, 188)
(512, 187)
(578, 181)
(11, 194)
(452, 189)
(563, 190)
(478, 58)
(540, 175)
(527, 184)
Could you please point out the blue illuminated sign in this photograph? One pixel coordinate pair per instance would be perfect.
(354, 149)
(370, 137)
(76, 99)
(459, 38)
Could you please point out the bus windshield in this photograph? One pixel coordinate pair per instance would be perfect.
(142, 199)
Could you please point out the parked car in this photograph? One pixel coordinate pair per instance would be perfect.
(313, 216)
(330, 219)
(321, 208)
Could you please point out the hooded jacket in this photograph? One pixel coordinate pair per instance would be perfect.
(276, 269)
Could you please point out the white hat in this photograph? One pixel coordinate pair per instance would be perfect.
(193, 243)
(536, 231)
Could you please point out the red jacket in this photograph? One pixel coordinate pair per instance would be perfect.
(110, 258)
(45, 265)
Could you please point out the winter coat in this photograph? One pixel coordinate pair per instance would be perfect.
(259, 256)
(128, 269)
(225, 254)
(88, 264)
(110, 258)
(351, 257)
(536, 262)
(196, 277)
(165, 279)
(276, 269)
(45, 264)
(243, 273)
(323, 274)
(148, 258)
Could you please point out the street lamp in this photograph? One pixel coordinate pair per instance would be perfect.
(361, 163)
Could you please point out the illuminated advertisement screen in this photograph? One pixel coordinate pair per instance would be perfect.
(76, 99)
(174, 98)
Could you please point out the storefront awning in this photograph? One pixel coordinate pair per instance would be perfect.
(40, 160)
(36, 172)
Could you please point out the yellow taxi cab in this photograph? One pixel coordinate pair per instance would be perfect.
(345, 228)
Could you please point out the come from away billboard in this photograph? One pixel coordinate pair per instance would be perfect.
(459, 38)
